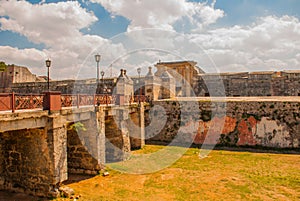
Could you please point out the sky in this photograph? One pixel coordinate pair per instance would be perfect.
(220, 35)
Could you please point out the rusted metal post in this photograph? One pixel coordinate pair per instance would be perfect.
(13, 102)
(106, 99)
(30, 102)
(78, 100)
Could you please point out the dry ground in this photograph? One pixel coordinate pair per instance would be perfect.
(223, 175)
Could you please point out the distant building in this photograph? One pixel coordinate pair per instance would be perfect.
(184, 73)
(16, 74)
(184, 76)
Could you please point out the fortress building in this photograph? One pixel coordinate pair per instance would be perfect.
(13, 74)
(179, 78)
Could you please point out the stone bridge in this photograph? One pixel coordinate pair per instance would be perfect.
(39, 148)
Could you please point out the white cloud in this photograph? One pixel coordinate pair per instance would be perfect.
(46, 23)
(271, 43)
(57, 25)
(32, 58)
(162, 14)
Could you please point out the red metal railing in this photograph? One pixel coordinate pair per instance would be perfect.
(13, 101)
(6, 102)
(32, 101)
(140, 98)
(20, 101)
(69, 100)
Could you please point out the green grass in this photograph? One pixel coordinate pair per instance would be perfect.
(223, 175)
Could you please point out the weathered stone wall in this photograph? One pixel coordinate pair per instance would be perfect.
(86, 141)
(25, 162)
(80, 161)
(64, 86)
(243, 123)
(136, 128)
(117, 136)
(248, 84)
(39, 148)
(33, 149)
(269, 83)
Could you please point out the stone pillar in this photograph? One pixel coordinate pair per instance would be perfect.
(187, 83)
(152, 85)
(86, 146)
(57, 144)
(168, 88)
(100, 116)
(136, 127)
(142, 124)
(52, 101)
(124, 89)
(121, 115)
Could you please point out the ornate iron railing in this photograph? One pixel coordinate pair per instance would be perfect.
(32, 101)
(140, 98)
(5, 102)
(13, 101)
(71, 100)
(20, 101)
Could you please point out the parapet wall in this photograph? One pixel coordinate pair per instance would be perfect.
(248, 84)
(267, 123)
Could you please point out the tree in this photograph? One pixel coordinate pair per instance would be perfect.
(3, 66)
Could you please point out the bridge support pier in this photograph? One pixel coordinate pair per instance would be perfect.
(136, 126)
(57, 144)
(100, 117)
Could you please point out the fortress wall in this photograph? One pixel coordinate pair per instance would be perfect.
(247, 85)
(229, 84)
(65, 86)
(273, 124)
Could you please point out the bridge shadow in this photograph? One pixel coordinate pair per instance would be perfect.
(251, 149)
(74, 178)
(13, 196)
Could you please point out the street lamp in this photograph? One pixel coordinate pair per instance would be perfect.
(48, 64)
(102, 75)
(97, 58)
(139, 86)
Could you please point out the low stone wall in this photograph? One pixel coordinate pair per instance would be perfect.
(266, 123)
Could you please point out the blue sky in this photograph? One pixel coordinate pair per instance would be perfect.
(223, 28)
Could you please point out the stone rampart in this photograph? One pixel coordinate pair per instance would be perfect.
(266, 122)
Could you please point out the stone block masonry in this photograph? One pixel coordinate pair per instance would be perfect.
(86, 145)
(266, 122)
(38, 149)
(26, 162)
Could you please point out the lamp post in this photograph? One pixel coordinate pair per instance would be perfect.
(97, 58)
(48, 64)
(102, 75)
(139, 86)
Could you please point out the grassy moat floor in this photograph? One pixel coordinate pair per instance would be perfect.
(223, 175)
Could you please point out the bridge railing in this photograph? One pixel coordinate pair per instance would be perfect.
(140, 98)
(14, 101)
(71, 100)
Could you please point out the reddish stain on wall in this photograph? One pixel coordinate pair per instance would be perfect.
(209, 132)
(246, 135)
